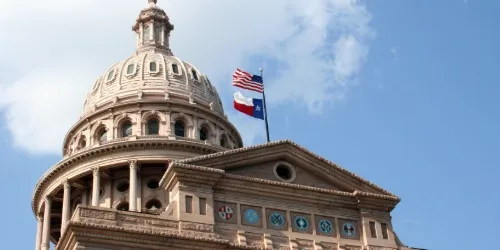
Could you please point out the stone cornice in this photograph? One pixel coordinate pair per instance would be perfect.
(240, 155)
(191, 173)
(107, 149)
(218, 179)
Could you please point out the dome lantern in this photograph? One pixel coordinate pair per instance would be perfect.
(153, 28)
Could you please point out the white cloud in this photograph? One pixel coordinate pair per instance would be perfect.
(55, 49)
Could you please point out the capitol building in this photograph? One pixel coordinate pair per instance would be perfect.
(154, 163)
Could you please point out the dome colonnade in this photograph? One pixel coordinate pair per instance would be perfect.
(142, 113)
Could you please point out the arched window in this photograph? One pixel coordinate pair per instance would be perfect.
(223, 142)
(153, 204)
(110, 76)
(102, 135)
(123, 206)
(195, 76)
(147, 33)
(153, 126)
(203, 134)
(126, 129)
(175, 68)
(179, 128)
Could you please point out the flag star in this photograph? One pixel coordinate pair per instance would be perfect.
(257, 108)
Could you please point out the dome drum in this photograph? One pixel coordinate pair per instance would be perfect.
(148, 121)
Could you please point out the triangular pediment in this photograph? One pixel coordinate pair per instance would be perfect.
(309, 169)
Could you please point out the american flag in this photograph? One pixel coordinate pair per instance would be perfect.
(248, 81)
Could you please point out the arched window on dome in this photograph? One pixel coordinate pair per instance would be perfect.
(203, 133)
(195, 75)
(224, 142)
(175, 69)
(126, 128)
(179, 128)
(123, 206)
(131, 69)
(111, 75)
(102, 135)
(153, 126)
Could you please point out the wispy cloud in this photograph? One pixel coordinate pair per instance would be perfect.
(394, 53)
(317, 47)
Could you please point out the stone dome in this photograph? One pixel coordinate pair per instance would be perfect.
(153, 71)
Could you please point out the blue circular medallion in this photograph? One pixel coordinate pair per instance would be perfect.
(325, 226)
(251, 216)
(301, 223)
(349, 229)
(277, 220)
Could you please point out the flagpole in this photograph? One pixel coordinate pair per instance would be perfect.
(265, 107)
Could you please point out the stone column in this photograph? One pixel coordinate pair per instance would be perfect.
(66, 209)
(133, 186)
(39, 231)
(46, 225)
(95, 187)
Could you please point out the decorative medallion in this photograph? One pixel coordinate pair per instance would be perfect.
(301, 223)
(325, 226)
(277, 220)
(349, 229)
(251, 216)
(225, 212)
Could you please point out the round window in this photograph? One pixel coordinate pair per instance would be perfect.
(153, 184)
(122, 186)
(284, 172)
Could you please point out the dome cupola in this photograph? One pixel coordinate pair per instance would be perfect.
(153, 28)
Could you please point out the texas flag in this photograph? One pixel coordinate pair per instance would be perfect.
(250, 106)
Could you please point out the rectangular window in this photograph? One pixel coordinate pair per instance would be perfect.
(203, 206)
(189, 204)
(373, 231)
(384, 231)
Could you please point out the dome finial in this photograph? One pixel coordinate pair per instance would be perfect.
(152, 2)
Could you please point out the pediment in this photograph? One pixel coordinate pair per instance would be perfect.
(310, 169)
(284, 171)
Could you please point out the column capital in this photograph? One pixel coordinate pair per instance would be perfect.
(132, 164)
(95, 171)
(66, 184)
(39, 218)
(47, 200)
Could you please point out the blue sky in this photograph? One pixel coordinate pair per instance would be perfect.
(417, 113)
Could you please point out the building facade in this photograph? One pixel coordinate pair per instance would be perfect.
(153, 163)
